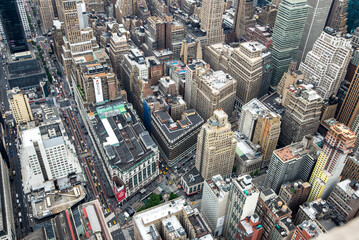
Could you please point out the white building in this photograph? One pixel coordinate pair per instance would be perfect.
(242, 203)
(326, 64)
(46, 154)
(214, 203)
(249, 115)
(23, 16)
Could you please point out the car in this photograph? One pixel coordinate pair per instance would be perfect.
(166, 168)
(10, 150)
(169, 182)
(11, 155)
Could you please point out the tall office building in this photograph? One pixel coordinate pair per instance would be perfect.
(242, 202)
(326, 64)
(294, 193)
(15, 24)
(244, 17)
(338, 143)
(287, 34)
(245, 67)
(266, 133)
(351, 168)
(79, 39)
(338, 16)
(317, 16)
(213, 90)
(215, 146)
(126, 8)
(46, 14)
(19, 104)
(118, 48)
(303, 111)
(211, 20)
(292, 162)
(214, 203)
(350, 106)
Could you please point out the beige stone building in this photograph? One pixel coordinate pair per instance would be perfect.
(79, 39)
(19, 104)
(118, 47)
(216, 146)
(211, 20)
(246, 67)
(213, 90)
(46, 14)
(244, 17)
(218, 56)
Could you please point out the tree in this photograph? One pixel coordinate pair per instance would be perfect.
(172, 196)
(257, 172)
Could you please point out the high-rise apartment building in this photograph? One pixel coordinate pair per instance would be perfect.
(126, 8)
(244, 17)
(295, 193)
(350, 106)
(211, 20)
(79, 39)
(242, 202)
(326, 64)
(345, 198)
(287, 34)
(303, 111)
(46, 14)
(245, 67)
(292, 162)
(213, 90)
(215, 146)
(15, 25)
(19, 104)
(317, 15)
(339, 142)
(46, 155)
(338, 16)
(271, 209)
(214, 203)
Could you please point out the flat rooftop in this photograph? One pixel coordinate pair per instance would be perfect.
(294, 151)
(174, 130)
(122, 134)
(217, 80)
(192, 177)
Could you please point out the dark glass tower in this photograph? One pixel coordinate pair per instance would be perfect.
(12, 24)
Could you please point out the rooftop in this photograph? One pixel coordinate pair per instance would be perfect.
(199, 224)
(292, 187)
(274, 203)
(324, 213)
(350, 187)
(217, 80)
(174, 130)
(144, 219)
(297, 150)
(192, 177)
(122, 134)
(311, 228)
(246, 185)
(173, 227)
(219, 187)
(273, 102)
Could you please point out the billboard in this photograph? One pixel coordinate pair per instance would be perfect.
(98, 89)
(121, 194)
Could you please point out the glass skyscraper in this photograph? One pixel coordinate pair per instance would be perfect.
(287, 34)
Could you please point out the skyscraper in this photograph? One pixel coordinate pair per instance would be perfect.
(79, 39)
(326, 64)
(245, 67)
(350, 106)
(242, 201)
(15, 24)
(353, 12)
(338, 143)
(317, 16)
(303, 110)
(287, 34)
(292, 162)
(215, 146)
(244, 17)
(338, 16)
(211, 20)
(19, 104)
(46, 14)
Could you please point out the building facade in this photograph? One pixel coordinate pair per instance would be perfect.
(338, 143)
(19, 104)
(244, 17)
(215, 146)
(287, 34)
(338, 16)
(326, 64)
(211, 20)
(295, 193)
(46, 14)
